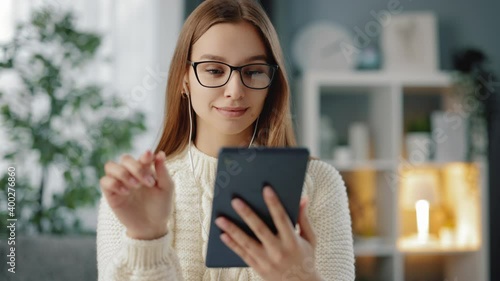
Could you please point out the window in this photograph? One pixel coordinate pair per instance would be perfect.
(6, 20)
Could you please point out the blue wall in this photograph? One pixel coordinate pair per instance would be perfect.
(461, 22)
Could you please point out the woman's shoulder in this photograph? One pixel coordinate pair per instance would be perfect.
(323, 178)
(176, 163)
(321, 171)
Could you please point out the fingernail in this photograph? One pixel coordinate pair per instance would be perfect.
(268, 191)
(220, 222)
(160, 156)
(150, 180)
(237, 203)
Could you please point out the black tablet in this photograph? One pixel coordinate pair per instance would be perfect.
(242, 173)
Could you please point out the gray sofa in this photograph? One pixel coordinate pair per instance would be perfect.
(51, 258)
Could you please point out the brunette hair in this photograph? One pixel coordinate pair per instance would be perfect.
(275, 125)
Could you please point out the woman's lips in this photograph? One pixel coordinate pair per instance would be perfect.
(231, 111)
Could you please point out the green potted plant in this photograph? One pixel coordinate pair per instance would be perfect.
(477, 90)
(60, 125)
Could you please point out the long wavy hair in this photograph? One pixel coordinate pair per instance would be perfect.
(275, 125)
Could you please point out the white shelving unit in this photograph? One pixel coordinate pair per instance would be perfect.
(377, 99)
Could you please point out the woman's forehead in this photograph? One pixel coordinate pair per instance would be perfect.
(230, 42)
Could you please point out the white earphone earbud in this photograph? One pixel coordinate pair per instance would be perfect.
(185, 88)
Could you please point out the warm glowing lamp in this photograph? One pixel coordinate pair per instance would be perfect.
(422, 208)
(419, 192)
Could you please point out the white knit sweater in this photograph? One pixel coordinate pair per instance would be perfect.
(180, 255)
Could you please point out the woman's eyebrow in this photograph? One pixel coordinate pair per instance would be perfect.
(219, 58)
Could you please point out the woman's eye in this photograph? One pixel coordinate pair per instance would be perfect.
(215, 71)
(253, 72)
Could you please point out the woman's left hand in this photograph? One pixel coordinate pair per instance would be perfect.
(284, 256)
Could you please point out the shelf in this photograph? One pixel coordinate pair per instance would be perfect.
(386, 103)
(411, 245)
(376, 165)
(439, 250)
(434, 165)
(379, 78)
(378, 247)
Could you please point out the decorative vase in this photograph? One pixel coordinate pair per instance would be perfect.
(418, 147)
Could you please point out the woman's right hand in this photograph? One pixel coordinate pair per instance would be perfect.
(140, 194)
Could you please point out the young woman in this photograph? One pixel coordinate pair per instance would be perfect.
(227, 86)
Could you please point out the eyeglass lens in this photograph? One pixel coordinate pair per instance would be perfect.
(214, 74)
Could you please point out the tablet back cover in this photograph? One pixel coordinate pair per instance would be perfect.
(243, 173)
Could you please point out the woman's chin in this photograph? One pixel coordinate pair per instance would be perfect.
(233, 130)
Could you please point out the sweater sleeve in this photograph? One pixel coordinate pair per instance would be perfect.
(330, 217)
(122, 258)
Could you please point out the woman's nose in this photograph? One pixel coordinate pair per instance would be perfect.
(234, 87)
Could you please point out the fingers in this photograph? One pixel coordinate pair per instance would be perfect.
(242, 244)
(130, 174)
(279, 215)
(111, 186)
(245, 256)
(146, 158)
(121, 174)
(260, 229)
(162, 175)
(140, 169)
(306, 230)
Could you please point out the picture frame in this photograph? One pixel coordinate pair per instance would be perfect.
(410, 42)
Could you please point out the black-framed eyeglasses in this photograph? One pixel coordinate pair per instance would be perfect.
(215, 74)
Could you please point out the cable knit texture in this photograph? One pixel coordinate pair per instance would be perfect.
(180, 255)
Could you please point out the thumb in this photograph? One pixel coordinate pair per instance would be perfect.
(162, 175)
(306, 230)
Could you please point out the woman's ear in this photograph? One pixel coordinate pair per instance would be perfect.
(185, 84)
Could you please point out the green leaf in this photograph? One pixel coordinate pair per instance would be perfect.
(9, 156)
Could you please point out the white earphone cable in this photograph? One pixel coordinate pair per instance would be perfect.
(192, 163)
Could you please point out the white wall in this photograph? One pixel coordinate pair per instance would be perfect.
(149, 33)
